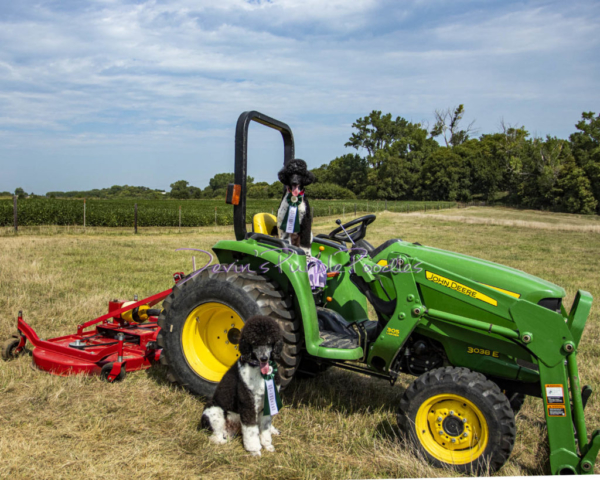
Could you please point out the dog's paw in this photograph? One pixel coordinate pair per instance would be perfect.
(274, 431)
(255, 453)
(218, 440)
(270, 448)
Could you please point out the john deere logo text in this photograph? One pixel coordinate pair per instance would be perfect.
(460, 288)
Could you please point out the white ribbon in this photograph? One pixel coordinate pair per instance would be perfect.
(289, 228)
(270, 392)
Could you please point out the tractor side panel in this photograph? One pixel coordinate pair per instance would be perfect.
(347, 299)
(486, 353)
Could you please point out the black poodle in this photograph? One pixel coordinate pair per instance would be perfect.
(294, 218)
(239, 400)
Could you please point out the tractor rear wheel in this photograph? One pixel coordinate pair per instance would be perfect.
(458, 419)
(201, 322)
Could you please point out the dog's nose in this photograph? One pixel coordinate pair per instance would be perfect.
(264, 358)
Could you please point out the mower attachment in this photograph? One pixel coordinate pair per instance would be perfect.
(114, 347)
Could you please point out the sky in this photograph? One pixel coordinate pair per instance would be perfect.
(112, 92)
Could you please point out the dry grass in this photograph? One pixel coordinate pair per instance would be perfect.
(519, 218)
(340, 425)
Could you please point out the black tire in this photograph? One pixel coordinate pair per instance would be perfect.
(516, 400)
(106, 369)
(8, 348)
(491, 423)
(247, 294)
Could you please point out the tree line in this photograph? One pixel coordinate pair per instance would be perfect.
(396, 159)
(402, 160)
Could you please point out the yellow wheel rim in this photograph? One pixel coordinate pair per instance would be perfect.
(452, 429)
(210, 339)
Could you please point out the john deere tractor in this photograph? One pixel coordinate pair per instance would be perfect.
(477, 336)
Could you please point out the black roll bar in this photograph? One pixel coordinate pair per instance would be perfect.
(241, 160)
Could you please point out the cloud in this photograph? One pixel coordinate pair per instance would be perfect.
(121, 77)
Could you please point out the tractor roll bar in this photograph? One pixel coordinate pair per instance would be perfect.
(241, 161)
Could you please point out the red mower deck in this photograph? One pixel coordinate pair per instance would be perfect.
(114, 347)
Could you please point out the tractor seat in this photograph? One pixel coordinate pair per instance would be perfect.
(265, 223)
(337, 332)
(374, 251)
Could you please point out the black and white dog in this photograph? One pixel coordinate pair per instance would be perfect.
(294, 218)
(239, 400)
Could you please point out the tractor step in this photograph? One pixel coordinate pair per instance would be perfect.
(338, 340)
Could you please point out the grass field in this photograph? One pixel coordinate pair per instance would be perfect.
(340, 425)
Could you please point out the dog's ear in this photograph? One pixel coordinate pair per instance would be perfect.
(245, 350)
(282, 176)
(277, 349)
(309, 178)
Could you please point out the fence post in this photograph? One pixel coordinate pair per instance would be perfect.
(385, 204)
(15, 213)
(179, 218)
(135, 218)
(215, 216)
(84, 213)
(312, 212)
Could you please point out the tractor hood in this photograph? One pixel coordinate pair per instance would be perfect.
(491, 274)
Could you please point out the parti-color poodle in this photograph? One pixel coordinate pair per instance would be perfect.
(239, 400)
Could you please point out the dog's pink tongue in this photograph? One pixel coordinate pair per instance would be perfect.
(295, 191)
(264, 368)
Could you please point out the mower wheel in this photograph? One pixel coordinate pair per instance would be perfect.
(9, 347)
(201, 323)
(106, 369)
(458, 419)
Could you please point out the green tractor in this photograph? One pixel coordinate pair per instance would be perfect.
(478, 336)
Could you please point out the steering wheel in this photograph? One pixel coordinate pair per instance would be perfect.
(357, 229)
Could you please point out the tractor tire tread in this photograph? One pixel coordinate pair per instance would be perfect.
(270, 300)
(465, 380)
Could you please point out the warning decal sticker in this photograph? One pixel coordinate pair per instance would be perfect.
(556, 411)
(555, 394)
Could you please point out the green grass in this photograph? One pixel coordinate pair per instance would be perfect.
(340, 425)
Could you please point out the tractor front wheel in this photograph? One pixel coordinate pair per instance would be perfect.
(201, 323)
(458, 419)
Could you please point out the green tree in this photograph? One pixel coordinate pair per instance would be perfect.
(259, 190)
(348, 171)
(548, 171)
(20, 193)
(447, 124)
(180, 190)
(328, 191)
(586, 149)
(377, 132)
(485, 168)
(275, 189)
(573, 190)
(445, 176)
